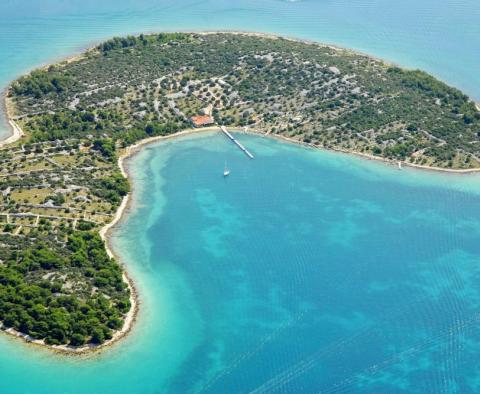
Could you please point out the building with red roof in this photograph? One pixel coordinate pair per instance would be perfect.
(201, 120)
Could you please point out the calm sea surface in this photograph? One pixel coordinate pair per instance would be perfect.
(304, 271)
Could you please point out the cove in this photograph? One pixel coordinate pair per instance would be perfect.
(304, 270)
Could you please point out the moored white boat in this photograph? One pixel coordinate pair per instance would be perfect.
(226, 171)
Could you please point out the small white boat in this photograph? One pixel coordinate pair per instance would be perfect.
(226, 171)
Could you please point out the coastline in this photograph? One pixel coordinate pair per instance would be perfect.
(92, 45)
(361, 155)
(130, 317)
(16, 131)
(105, 231)
(130, 151)
(320, 44)
(105, 234)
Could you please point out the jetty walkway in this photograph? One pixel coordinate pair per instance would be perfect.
(224, 129)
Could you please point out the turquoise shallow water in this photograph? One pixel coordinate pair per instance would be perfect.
(304, 270)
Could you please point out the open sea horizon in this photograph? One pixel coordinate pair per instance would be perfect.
(304, 270)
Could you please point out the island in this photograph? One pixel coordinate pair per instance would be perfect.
(62, 181)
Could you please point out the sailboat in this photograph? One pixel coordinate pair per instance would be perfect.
(226, 171)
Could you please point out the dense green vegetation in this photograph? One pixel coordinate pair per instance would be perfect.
(36, 306)
(131, 41)
(61, 184)
(40, 82)
(57, 283)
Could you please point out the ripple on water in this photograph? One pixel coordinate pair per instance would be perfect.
(306, 275)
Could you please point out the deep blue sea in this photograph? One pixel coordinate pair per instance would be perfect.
(302, 272)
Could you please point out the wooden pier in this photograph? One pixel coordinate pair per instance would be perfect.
(224, 129)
